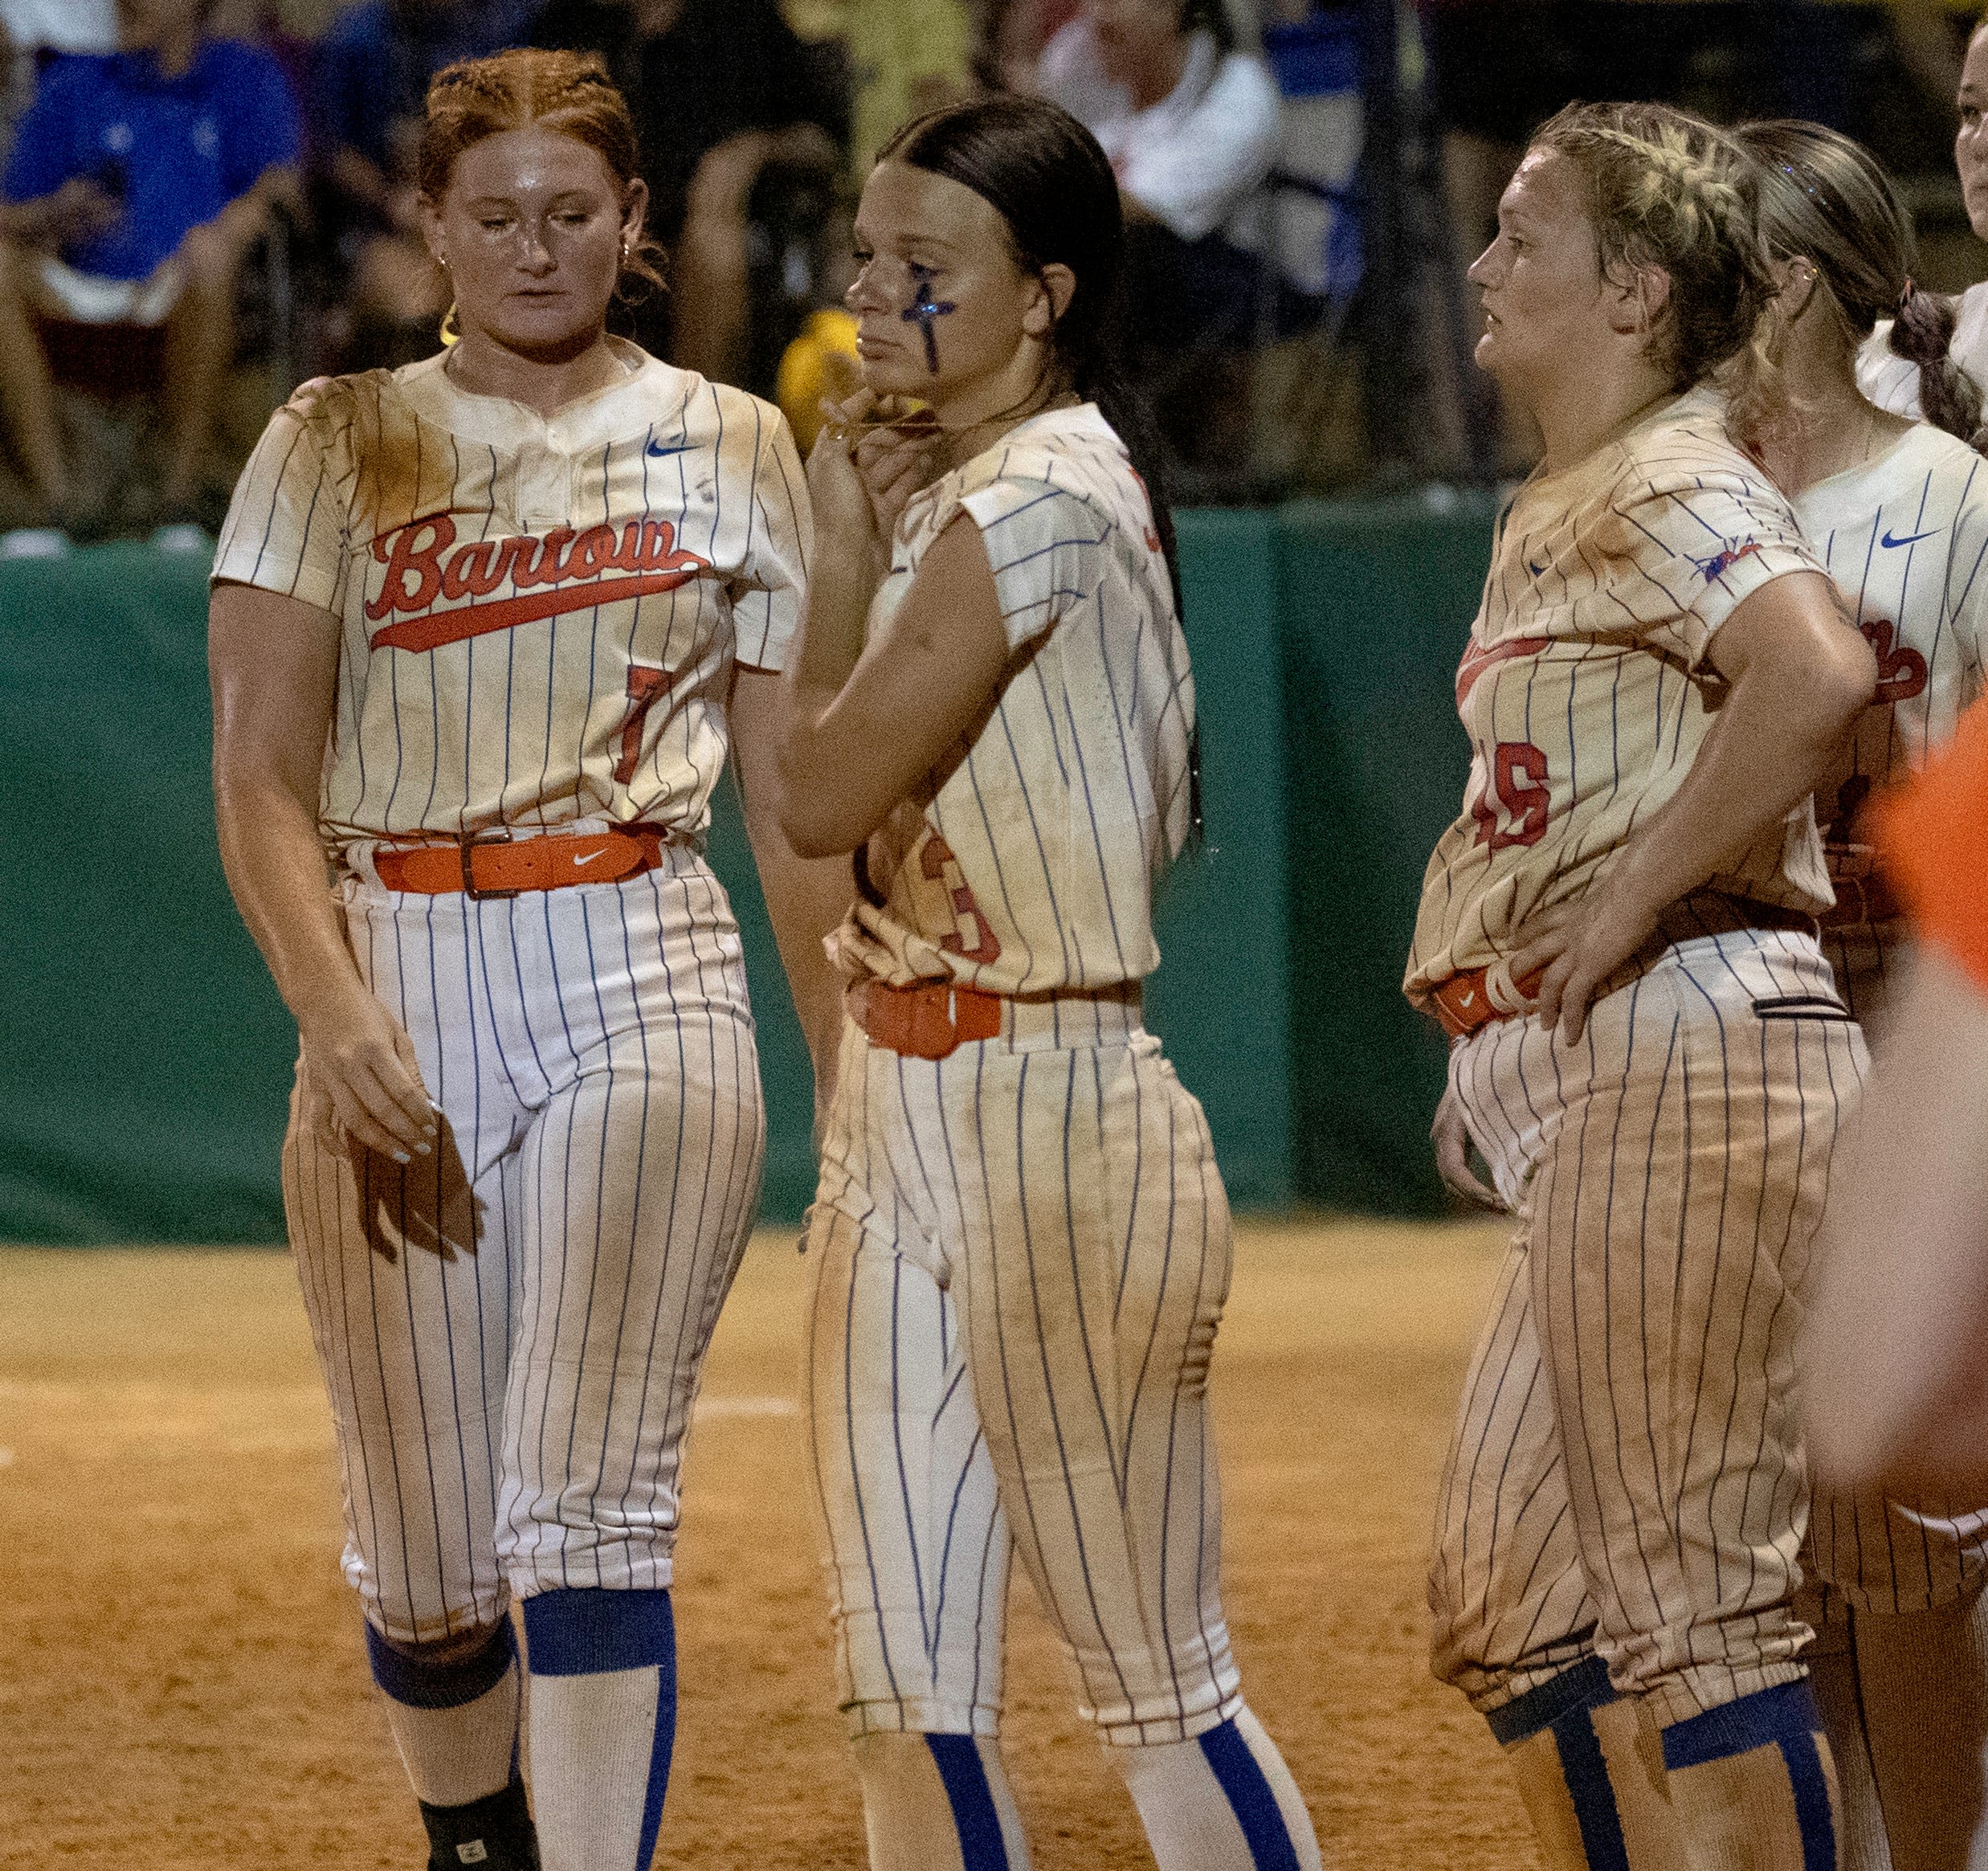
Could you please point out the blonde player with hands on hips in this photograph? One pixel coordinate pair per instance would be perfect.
(1618, 933)
(1897, 511)
(1021, 1242)
(483, 629)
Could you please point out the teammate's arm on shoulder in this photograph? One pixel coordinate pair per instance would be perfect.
(924, 682)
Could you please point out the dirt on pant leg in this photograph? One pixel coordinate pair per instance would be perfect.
(184, 1685)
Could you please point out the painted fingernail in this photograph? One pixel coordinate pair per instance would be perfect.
(421, 1149)
(400, 1156)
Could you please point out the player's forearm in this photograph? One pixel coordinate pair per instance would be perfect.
(806, 899)
(275, 865)
(1771, 745)
(813, 762)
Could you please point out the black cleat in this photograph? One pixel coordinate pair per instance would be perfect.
(494, 1832)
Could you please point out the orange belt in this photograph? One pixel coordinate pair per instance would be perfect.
(494, 864)
(1865, 898)
(929, 1021)
(1466, 1002)
(1470, 1000)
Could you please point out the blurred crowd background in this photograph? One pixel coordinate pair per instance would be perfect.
(205, 202)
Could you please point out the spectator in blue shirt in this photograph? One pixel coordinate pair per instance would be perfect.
(136, 184)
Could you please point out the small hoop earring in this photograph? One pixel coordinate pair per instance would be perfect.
(452, 331)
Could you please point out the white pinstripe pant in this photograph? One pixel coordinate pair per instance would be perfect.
(1884, 1555)
(1020, 1255)
(1626, 1476)
(512, 1332)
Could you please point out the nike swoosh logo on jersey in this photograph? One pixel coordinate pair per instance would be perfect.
(1910, 539)
(662, 448)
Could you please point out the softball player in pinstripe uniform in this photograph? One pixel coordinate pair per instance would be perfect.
(1892, 365)
(1021, 1240)
(1898, 513)
(1650, 1054)
(483, 628)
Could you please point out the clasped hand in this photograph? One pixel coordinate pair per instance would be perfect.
(874, 454)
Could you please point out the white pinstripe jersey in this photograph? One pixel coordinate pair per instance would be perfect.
(1906, 539)
(1893, 383)
(1028, 862)
(1581, 687)
(541, 615)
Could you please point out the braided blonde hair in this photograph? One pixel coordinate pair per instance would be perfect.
(1667, 190)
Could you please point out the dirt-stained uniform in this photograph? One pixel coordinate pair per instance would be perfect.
(1626, 1487)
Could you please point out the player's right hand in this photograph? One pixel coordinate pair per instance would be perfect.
(362, 1083)
(898, 460)
(843, 511)
(1451, 1139)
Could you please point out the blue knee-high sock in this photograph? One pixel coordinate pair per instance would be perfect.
(1223, 1801)
(1243, 1780)
(971, 1797)
(603, 1673)
(1566, 1707)
(1786, 1717)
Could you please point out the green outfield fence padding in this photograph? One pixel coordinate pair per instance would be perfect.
(146, 1060)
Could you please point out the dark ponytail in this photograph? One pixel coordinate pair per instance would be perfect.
(1043, 173)
(1922, 333)
(1827, 199)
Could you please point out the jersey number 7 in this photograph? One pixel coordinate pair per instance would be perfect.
(647, 686)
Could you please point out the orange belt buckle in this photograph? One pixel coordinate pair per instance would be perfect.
(932, 1020)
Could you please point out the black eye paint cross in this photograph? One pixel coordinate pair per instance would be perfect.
(922, 310)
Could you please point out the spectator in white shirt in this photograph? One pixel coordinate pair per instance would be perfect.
(1189, 121)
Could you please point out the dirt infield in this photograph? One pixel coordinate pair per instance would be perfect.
(182, 1684)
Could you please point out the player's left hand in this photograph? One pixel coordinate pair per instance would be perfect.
(844, 518)
(1574, 948)
(1451, 1138)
